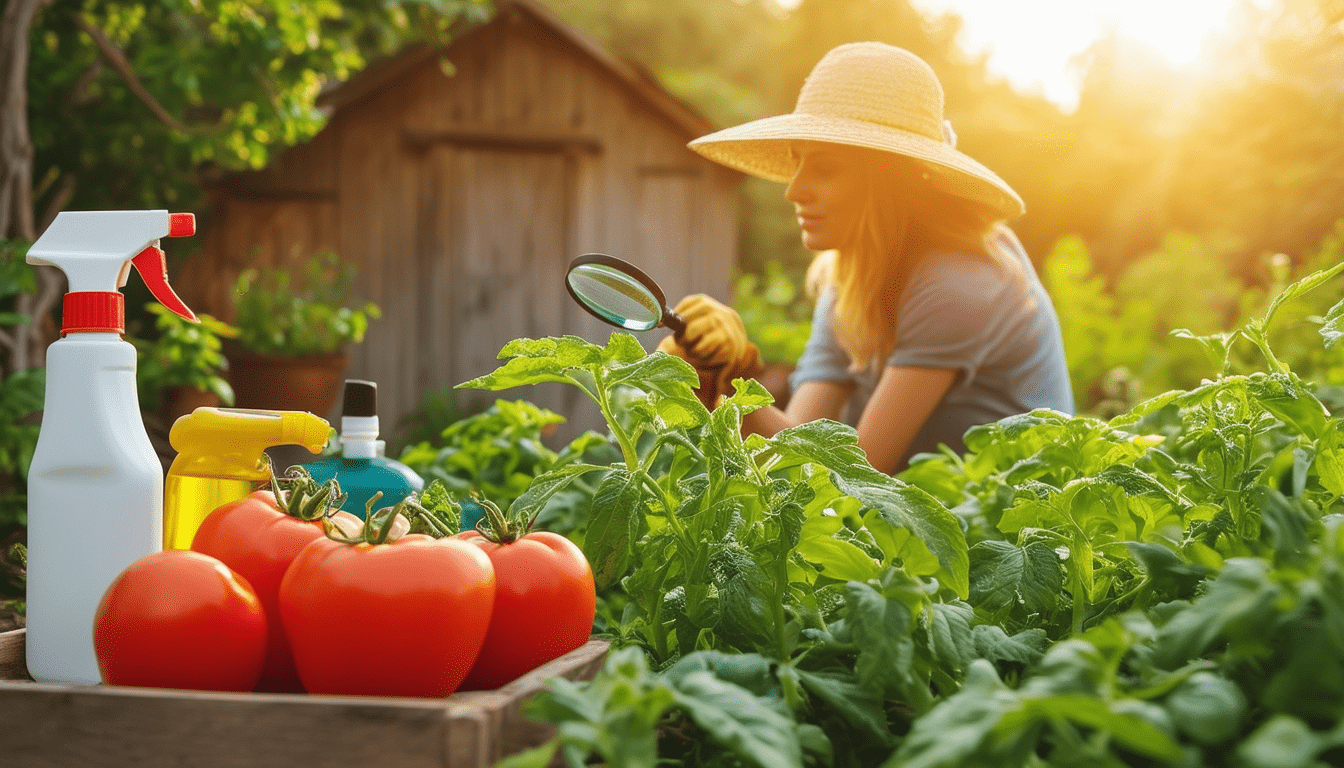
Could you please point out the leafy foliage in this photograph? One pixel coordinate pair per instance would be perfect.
(184, 354)
(1161, 588)
(778, 318)
(215, 85)
(277, 315)
(1119, 341)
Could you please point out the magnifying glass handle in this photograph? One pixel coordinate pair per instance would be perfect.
(674, 323)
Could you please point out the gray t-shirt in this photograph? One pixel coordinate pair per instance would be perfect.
(964, 312)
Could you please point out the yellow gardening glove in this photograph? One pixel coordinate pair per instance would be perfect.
(714, 335)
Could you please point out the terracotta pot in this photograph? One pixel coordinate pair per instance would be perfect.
(287, 382)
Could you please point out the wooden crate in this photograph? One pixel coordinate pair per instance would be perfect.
(60, 726)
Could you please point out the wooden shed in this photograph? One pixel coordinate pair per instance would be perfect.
(461, 180)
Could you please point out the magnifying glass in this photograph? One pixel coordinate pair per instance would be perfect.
(619, 293)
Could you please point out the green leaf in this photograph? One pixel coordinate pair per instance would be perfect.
(956, 729)
(1165, 568)
(835, 447)
(1300, 288)
(1242, 597)
(537, 757)
(746, 598)
(858, 705)
(837, 559)
(1131, 731)
(1024, 648)
(670, 379)
(1288, 398)
(949, 636)
(901, 547)
(1281, 742)
(614, 526)
(881, 626)
(740, 722)
(1208, 708)
(1333, 327)
(1003, 575)
(750, 671)
(546, 485)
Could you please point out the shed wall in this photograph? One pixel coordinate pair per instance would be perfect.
(462, 190)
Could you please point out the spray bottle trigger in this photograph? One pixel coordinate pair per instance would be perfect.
(153, 268)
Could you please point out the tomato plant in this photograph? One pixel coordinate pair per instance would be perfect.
(258, 536)
(378, 618)
(180, 619)
(544, 600)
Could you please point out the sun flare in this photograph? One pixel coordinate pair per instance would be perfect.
(1030, 42)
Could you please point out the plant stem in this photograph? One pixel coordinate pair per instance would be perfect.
(622, 439)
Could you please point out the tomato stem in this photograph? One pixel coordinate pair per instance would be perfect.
(498, 527)
(298, 495)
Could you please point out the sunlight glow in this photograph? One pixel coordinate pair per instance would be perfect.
(1030, 42)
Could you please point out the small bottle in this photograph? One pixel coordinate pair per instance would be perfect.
(221, 458)
(95, 485)
(361, 469)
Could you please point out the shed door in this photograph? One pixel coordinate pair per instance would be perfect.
(493, 248)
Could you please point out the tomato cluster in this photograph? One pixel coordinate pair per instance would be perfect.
(275, 596)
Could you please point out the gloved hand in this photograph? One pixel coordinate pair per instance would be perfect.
(716, 382)
(715, 335)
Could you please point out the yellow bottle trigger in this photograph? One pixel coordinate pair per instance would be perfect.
(221, 458)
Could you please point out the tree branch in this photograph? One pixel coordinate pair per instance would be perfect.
(117, 59)
(16, 146)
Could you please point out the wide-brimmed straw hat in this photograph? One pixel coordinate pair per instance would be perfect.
(870, 95)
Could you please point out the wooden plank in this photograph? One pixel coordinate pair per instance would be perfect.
(12, 664)
(62, 725)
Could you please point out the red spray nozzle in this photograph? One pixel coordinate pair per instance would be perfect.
(153, 268)
(181, 224)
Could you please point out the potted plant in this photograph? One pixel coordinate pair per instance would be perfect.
(290, 351)
(184, 368)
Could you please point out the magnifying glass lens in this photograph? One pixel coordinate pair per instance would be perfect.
(615, 296)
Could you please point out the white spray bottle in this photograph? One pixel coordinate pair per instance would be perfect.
(95, 486)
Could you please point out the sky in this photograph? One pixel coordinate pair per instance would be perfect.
(1030, 42)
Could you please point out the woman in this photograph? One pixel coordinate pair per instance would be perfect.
(930, 318)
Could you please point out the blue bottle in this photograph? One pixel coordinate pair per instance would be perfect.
(361, 469)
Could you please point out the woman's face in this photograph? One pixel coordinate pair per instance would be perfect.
(828, 192)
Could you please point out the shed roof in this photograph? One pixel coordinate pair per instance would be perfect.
(633, 75)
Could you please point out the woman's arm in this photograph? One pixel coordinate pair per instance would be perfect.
(900, 405)
(813, 400)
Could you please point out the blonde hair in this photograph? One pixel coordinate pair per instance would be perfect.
(904, 217)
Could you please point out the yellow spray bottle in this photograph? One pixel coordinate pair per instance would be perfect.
(221, 458)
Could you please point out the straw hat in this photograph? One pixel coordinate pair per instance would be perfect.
(864, 95)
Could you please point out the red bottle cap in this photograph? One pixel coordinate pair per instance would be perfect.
(93, 312)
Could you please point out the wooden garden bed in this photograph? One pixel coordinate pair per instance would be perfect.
(58, 726)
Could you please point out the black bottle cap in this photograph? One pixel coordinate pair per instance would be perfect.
(361, 398)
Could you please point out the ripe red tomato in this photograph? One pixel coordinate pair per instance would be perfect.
(405, 618)
(544, 605)
(258, 540)
(180, 619)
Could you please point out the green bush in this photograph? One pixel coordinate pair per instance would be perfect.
(184, 354)
(277, 315)
(776, 314)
